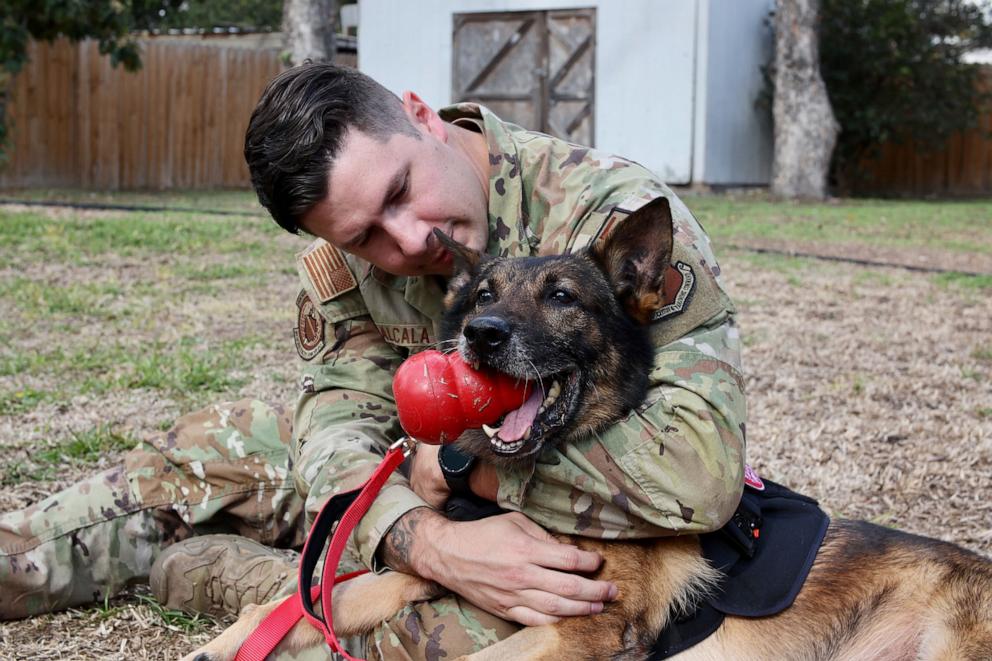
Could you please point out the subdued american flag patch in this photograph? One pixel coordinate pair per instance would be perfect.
(327, 269)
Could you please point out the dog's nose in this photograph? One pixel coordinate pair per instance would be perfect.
(487, 334)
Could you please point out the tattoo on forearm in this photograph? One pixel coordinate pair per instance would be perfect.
(399, 540)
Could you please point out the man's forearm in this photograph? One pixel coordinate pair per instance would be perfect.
(403, 546)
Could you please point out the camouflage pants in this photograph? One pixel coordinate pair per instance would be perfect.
(223, 469)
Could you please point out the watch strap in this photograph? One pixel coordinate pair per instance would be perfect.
(456, 467)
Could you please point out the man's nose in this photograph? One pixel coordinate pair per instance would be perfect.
(412, 236)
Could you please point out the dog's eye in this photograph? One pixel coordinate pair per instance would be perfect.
(484, 297)
(562, 297)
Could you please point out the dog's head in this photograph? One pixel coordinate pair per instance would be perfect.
(575, 325)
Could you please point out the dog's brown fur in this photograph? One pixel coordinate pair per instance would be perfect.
(873, 593)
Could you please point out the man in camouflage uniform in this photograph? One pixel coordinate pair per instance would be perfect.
(396, 171)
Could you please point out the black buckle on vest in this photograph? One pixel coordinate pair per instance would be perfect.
(744, 527)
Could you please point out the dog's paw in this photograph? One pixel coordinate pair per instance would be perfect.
(202, 655)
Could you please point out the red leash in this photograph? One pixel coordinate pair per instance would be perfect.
(354, 505)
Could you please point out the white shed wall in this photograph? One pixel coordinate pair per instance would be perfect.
(645, 52)
(733, 137)
(680, 105)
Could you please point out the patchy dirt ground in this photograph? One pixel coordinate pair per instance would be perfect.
(869, 389)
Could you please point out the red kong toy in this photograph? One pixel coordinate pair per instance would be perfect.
(438, 396)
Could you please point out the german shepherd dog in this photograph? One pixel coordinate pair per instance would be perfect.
(579, 322)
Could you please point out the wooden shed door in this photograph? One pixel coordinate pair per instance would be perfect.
(532, 68)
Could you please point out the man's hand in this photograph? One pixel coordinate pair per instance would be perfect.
(428, 482)
(426, 478)
(506, 565)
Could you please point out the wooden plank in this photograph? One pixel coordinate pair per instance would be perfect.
(141, 132)
(95, 168)
(110, 92)
(214, 87)
(986, 183)
(191, 90)
(170, 118)
(199, 95)
(227, 101)
(157, 132)
(49, 131)
(971, 158)
(180, 94)
(36, 121)
(127, 141)
(71, 100)
(67, 92)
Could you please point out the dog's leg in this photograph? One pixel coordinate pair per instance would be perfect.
(359, 604)
(226, 645)
(530, 643)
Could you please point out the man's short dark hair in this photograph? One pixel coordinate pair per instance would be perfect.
(297, 128)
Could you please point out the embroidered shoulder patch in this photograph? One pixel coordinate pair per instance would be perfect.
(680, 281)
(752, 479)
(309, 332)
(327, 270)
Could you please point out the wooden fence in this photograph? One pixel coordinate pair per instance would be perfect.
(963, 166)
(179, 122)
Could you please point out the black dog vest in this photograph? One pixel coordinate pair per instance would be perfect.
(763, 572)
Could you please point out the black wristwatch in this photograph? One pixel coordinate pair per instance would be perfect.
(456, 466)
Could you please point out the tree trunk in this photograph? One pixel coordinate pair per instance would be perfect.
(308, 26)
(805, 128)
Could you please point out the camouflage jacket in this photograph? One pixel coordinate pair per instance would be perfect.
(673, 465)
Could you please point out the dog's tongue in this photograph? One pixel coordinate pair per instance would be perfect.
(516, 423)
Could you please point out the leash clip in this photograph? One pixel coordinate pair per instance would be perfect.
(407, 444)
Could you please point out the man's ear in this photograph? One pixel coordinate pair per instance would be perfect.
(635, 257)
(423, 117)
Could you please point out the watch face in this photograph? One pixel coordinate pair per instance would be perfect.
(454, 460)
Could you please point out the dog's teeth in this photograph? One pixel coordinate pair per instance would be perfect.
(527, 433)
(542, 409)
(502, 447)
(552, 395)
(490, 431)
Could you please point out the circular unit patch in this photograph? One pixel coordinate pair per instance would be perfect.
(309, 331)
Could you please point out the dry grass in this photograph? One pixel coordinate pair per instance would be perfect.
(869, 388)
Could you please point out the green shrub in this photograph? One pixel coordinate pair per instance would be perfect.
(894, 71)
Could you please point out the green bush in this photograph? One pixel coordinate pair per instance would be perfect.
(894, 71)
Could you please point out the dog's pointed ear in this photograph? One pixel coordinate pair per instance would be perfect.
(635, 257)
(466, 259)
(466, 265)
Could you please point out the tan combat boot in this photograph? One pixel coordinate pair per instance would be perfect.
(220, 574)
